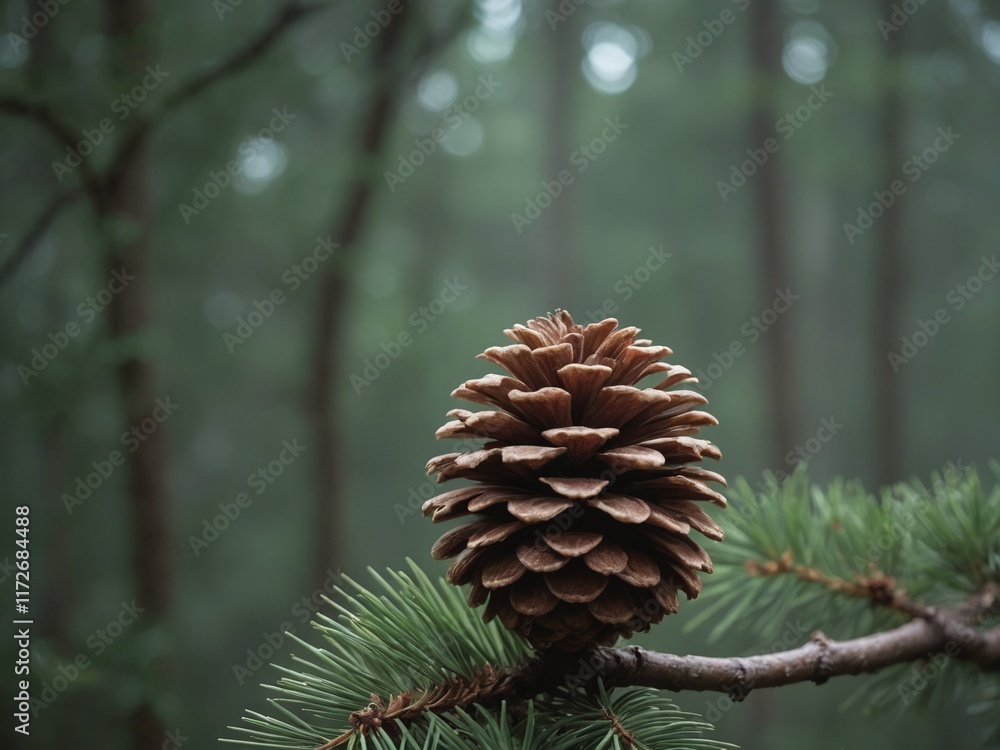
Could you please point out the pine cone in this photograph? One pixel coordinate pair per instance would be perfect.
(584, 497)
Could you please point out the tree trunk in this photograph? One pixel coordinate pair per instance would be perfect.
(126, 221)
(890, 274)
(773, 273)
(330, 312)
(561, 48)
(779, 361)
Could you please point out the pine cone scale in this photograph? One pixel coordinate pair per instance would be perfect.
(575, 488)
(540, 558)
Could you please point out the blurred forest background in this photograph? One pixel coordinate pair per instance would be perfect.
(247, 250)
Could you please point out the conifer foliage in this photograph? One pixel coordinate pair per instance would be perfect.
(407, 663)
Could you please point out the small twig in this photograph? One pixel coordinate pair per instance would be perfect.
(338, 741)
(40, 113)
(253, 49)
(878, 587)
(628, 738)
(35, 233)
(488, 687)
(50, 121)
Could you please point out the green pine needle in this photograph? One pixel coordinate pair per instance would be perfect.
(409, 634)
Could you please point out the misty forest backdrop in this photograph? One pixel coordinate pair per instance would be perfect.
(274, 238)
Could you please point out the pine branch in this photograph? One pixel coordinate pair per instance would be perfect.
(398, 662)
(241, 58)
(412, 667)
(816, 661)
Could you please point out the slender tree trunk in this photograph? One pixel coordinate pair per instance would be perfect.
(562, 50)
(890, 274)
(773, 272)
(769, 188)
(126, 197)
(320, 413)
(330, 312)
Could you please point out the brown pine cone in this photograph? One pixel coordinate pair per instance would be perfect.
(584, 495)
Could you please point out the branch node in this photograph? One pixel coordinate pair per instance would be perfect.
(824, 667)
(639, 655)
(741, 687)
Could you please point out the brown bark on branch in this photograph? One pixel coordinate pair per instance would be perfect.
(816, 661)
